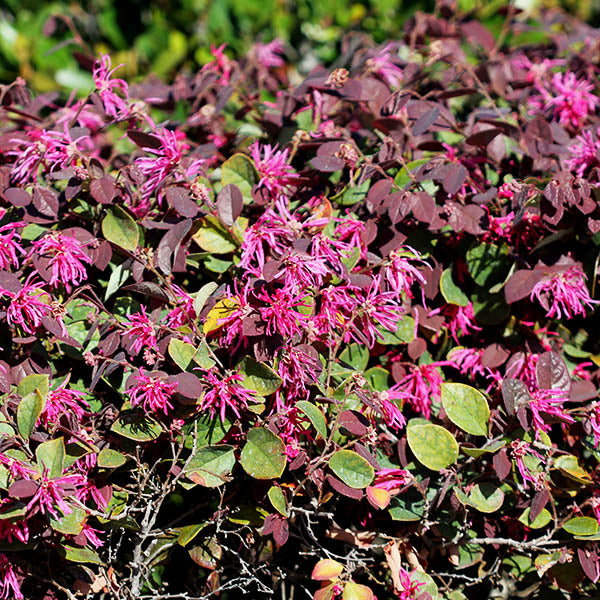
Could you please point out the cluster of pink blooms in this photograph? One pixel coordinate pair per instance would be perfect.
(272, 165)
(584, 152)
(152, 392)
(63, 401)
(564, 293)
(26, 308)
(571, 99)
(66, 258)
(225, 393)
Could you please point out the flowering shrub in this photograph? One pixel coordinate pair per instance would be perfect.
(328, 338)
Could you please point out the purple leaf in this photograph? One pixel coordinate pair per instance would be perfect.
(229, 204)
(552, 373)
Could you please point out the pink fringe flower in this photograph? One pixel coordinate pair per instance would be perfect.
(410, 589)
(66, 258)
(183, 313)
(225, 394)
(10, 246)
(25, 308)
(152, 393)
(584, 153)
(114, 105)
(9, 586)
(63, 401)
(570, 98)
(271, 164)
(50, 494)
(551, 403)
(166, 160)
(564, 293)
(377, 308)
(401, 271)
(140, 330)
(423, 386)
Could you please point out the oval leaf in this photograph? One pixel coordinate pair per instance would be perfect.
(466, 407)
(432, 445)
(352, 469)
(263, 456)
(119, 228)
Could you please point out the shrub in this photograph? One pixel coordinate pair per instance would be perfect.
(325, 338)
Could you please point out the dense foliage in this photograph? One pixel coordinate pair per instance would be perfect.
(332, 338)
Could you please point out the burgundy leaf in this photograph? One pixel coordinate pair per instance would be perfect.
(148, 289)
(17, 196)
(144, 140)
(520, 284)
(552, 373)
(538, 503)
(353, 422)
(23, 488)
(502, 464)
(46, 201)
(514, 394)
(103, 190)
(188, 385)
(424, 122)
(229, 204)
(483, 137)
(340, 487)
(588, 559)
(327, 164)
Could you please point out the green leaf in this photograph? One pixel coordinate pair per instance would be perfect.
(202, 295)
(263, 456)
(189, 532)
(110, 459)
(450, 291)
(80, 555)
(315, 416)
(403, 177)
(486, 497)
(70, 524)
(378, 378)
(466, 407)
(31, 383)
(240, 170)
(410, 505)
(355, 356)
(258, 376)
(211, 466)
(352, 469)
(213, 237)
(432, 445)
(570, 467)
(488, 264)
(403, 335)
(488, 449)
(540, 521)
(137, 426)
(581, 526)
(182, 353)
(352, 195)
(28, 412)
(119, 228)
(278, 500)
(51, 457)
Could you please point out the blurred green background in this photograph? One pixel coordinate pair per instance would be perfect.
(166, 36)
